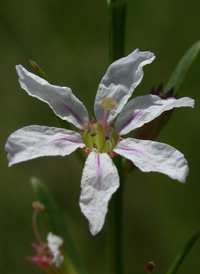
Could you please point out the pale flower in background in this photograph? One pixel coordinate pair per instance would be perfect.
(48, 254)
(100, 138)
(54, 243)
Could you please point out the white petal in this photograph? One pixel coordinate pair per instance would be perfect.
(144, 109)
(99, 181)
(120, 80)
(58, 259)
(153, 156)
(37, 141)
(54, 244)
(60, 99)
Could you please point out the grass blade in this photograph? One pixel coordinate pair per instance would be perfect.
(57, 225)
(180, 71)
(181, 256)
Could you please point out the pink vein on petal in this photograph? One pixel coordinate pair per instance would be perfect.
(130, 120)
(134, 150)
(116, 93)
(65, 139)
(99, 170)
(71, 111)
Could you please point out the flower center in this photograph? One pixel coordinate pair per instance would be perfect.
(94, 139)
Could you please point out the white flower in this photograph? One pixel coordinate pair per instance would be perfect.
(100, 138)
(54, 243)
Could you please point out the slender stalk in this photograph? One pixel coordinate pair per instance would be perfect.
(115, 259)
(183, 253)
(117, 21)
(34, 222)
(117, 16)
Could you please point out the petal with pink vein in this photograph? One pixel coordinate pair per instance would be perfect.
(144, 109)
(61, 99)
(36, 141)
(120, 80)
(99, 181)
(153, 156)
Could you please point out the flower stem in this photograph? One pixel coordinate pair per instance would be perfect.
(117, 18)
(115, 262)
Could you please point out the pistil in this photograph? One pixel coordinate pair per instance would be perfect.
(107, 104)
(38, 207)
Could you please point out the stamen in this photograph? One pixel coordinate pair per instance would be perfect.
(95, 146)
(107, 104)
(99, 139)
(110, 145)
(108, 137)
(34, 224)
(105, 117)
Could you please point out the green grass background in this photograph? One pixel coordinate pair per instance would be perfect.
(69, 39)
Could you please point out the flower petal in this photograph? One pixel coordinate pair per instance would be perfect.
(37, 141)
(153, 156)
(144, 109)
(99, 181)
(54, 244)
(61, 99)
(120, 80)
(58, 259)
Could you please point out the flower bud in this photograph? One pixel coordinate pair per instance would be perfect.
(149, 267)
(38, 69)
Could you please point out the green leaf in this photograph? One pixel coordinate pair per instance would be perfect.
(181, 256)
(57, 224)
(180, 71)
(38, 69)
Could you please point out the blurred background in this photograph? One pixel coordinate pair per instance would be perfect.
(69, 39)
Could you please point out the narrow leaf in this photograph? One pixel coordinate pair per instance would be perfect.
(181, 256)
(57, 224)
(38, 69)
(180, 71)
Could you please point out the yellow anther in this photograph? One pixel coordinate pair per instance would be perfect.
(108, 103)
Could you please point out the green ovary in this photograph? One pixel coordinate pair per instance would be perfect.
(94, 138)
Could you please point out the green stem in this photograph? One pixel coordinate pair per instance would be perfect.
(183, 253)
(114, 230)
(117, 20)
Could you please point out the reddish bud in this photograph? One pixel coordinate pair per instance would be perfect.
(149, 267)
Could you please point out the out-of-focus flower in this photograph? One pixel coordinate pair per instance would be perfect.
(100, 138)
(54, 244)
(48, 254)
